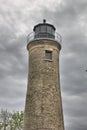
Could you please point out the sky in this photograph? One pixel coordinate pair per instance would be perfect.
(17, 19)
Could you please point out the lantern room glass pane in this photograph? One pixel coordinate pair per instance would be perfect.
(53, 32)
(43, 28)
(48, 29)
(37, 30)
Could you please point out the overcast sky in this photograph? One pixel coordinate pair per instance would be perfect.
(17, 19)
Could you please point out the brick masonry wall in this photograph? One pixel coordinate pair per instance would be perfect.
(43, 108)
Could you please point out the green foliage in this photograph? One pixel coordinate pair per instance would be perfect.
(11, 121)
(4, 119)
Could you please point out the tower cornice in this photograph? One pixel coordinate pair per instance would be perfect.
(44, 41)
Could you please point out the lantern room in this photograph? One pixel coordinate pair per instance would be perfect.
(44, 30)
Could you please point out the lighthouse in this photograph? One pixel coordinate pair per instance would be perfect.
(43, 106)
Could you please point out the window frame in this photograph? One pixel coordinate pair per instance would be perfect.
(49, 56)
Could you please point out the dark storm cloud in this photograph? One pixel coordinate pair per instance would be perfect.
(16, 21)
(13, 59)
(13, 78)
(10, 55)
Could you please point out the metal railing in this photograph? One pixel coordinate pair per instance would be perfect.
(57, 37)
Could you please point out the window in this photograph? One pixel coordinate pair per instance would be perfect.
(48, 55)
(53, 32)
(48, 29)
(43, 28)
(37, 30)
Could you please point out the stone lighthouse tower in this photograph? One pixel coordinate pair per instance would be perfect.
(43, 108)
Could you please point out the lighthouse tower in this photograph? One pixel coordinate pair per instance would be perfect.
(43, 108)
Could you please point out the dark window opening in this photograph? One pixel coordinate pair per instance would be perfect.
(48, 55)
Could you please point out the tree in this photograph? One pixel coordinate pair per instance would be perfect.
(16, 121)
(11, 121)
(4, 119)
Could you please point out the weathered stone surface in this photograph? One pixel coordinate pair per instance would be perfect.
(43, 108)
